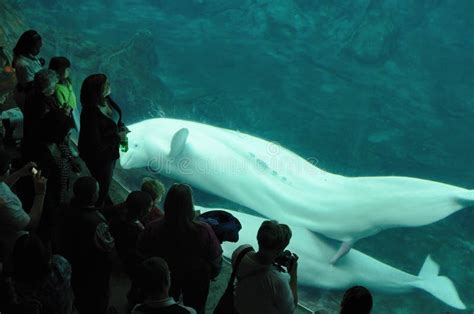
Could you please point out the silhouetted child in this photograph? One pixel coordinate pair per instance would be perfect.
(356, 300)
(64, 92)
(156, 190)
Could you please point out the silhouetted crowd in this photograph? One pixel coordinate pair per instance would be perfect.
(60, 231)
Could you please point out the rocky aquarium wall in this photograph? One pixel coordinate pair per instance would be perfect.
(359, 88)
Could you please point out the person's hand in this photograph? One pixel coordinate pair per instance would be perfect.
(39, 183)
(293, 267)
(76, 166)
(26, 170)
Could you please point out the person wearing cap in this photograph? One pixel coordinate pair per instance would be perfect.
(154, 279)
(14, 220)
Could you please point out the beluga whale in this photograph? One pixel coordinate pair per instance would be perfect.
(279, 184)
(356, 268)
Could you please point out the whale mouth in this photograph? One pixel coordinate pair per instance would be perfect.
(125, 158)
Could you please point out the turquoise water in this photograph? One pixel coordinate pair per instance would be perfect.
(364, 87)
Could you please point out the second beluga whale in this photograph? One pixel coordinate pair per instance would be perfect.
(281, 185)
(356, 268)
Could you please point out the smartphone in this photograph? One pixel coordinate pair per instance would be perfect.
(34, 171)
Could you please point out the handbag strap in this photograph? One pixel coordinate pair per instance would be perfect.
(239, 258)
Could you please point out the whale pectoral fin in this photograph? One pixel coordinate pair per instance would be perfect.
(178, 142)
(345, 247)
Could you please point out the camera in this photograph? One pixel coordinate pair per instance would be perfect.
(285, 259)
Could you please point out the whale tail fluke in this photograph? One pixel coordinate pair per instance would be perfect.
(467, 199)
(440, 287)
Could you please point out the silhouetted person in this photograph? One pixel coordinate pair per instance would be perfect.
(102, 131)
(26, 63)
(356, 300)
(39, 101)
(125, 227)
(64, 92)
(7, 87)
(190, 248)
(55, 160)
(14, 220)
(263, 287)
(153, 278)
(40, 279)
(87, 243)
(156, 190)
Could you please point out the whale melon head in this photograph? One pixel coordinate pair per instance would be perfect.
(137, 155)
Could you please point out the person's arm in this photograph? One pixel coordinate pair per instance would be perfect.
(61, 95)
(22, 172)
(285, 297)
(216, 266)
(293, 272)
(143, 247)
(32, 67)
(214, 252)
(37, 208)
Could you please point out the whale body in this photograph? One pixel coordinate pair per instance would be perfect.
(355, 269)
(277, 183)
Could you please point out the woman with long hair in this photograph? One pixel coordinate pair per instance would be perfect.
(57, 163)
(102, 132)
(26, 63)
(190, 248)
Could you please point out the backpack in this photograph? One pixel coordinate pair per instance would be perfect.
(225, 225)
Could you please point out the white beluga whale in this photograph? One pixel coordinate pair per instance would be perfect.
(355, 269)
(279, 184)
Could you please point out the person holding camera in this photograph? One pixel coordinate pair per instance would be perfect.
(14, 220)
(263, 285)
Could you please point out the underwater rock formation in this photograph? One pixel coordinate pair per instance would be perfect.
(11, 26)
(134, 65)
(373, 40)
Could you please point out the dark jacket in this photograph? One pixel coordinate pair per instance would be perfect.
(99, 138)
(87, 244)
(37, 105)
(126, 236)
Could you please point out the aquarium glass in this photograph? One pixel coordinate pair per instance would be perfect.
(358, 88)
